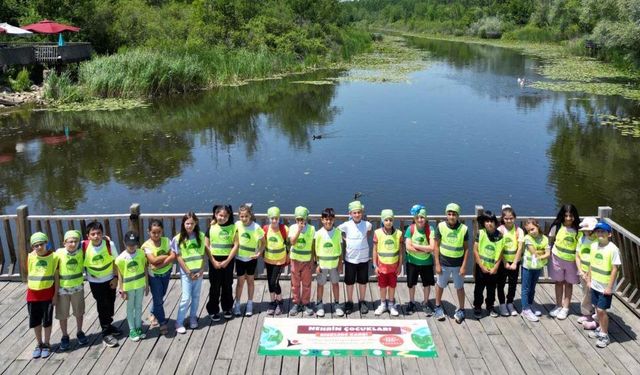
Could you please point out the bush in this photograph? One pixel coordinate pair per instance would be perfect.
(533, 33)
(21, 82)
(487, 27)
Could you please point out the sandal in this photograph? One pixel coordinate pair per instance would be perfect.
(153, 322)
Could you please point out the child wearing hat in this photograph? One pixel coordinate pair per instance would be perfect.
(301, 236)
(582, 262)
(419, 240)
(133, 282)
(387, 258)
(603, 271)
(356, 261)
(450, 257)
(71, 287)
(275, 258)
(42, 285)
(328, 254)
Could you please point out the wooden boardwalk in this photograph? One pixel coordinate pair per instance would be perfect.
(489, 345)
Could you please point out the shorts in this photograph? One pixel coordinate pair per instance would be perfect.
(66, 301)
(448, 272)
(424, 271)
(356, 272)
(388, 280)
(600, 300)
(562, 270)
(331, 273)
(246, 268)
(40, 313)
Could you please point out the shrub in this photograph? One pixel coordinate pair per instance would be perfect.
(487, 27)
(21, 82)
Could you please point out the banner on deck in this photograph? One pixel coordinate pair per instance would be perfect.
(346, 337)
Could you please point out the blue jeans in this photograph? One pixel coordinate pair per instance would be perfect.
(190, 295)
(159, 285)
(529, 281)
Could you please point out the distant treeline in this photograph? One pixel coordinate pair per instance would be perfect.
(614, 25)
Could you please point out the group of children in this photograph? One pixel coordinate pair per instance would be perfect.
(577, 252)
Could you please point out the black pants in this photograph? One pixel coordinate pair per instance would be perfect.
(220, 285)
(273, 276)
(105, 299)
(504, 276)
(484, 280)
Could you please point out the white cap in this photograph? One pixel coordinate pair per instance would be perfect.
(588, 223)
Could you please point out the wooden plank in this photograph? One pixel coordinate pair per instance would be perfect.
(249, 336)
(408, 365)
(259, 364)
(119, 231)
(50, 233)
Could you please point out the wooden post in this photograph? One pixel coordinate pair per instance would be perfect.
(135, 223)
(605, 212)
(23, 233)
(479, 211)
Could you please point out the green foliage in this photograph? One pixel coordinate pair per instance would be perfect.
(21, 82)
(533, 33)
(487, 27)
(61, 88)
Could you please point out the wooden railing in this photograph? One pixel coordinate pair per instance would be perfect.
(16, 229)
(43, 53)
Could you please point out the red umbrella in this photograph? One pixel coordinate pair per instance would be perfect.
(50, 27)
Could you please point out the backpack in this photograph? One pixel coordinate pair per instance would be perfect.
(283, 231)
(85, 244)
(427, 230)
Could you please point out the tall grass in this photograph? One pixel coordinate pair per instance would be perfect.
(61, 88)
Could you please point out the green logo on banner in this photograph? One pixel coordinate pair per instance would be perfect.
(422, 338)
(270, 337)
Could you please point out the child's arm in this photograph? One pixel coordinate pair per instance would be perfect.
(207, 251)
(374, 259)
(514, 265)
(168, 259)
(494, 270)
(116, 278)
(436, 256)
(183, 265)
(614, 272)
(547, 254)
(56, 286)
(261, 245)
(123, 294)
(146, 281)
(293, 237)
(476, 256)
(400, 259)
(465, 257)
(232, 254)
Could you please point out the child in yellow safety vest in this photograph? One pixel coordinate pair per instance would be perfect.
(387, 261)
(275, 258)
(419, 239)
(510, 266)
(223, 247)
(582, 262)
(42, 284)
(71, 288)
(604, 262)
(133, 283)
(487, 250)
(535, 257)
(328, 255)
(301, 236)
(250, 247)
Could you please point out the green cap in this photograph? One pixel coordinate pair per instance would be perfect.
(273, 212)
(72, 234)
(452, 207)
(38, 237)
(301, 212)
(386, 214)
(356, 206)
(422, 212)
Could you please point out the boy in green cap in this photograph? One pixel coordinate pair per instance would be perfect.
(301, 238)
(42, 285)
(71, 289)
(450, 257)
(328, 254)
(387, 258)
(356, 260)
(275, 258)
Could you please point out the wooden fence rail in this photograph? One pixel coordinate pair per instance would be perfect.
(16, 229)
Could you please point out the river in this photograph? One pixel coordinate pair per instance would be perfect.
(461, 130)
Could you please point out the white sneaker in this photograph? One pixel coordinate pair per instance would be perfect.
(236, 308)
(338, 309)
(530, 316)
(562, 314)
(512, 309)
(553, 313)
(181, 330)
(503, 310)
(595, 334)
(249, 310)
(393, 310)
(320, 309)
(382, 308)
(594, 317)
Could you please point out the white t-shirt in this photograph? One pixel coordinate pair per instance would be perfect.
(114, 254)
(356, 239)
(615, 260)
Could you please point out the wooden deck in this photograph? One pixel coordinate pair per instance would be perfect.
(490, 345)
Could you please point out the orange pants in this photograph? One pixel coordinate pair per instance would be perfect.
(301, 275)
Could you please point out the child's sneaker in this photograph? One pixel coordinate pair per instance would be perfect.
(439, 313)
(215, 317)
(109, 341)
(595, 334)
(46, 350)
(180, 329)
(348, 307)
(364, 309)
(530, 316)
(477, 312)
(338, 309)
(512, 309)
(427, 309)
(65, 343)
(583, 319)
(536, 311)
(320, 309)
(492, 312)
(236, 308)
(381, 309)
(249, 310)
(272, 308)
(590, 325)
(459, 316)
(503, 310)
(602, 342)
(193, 323)
(114, 331)
(227, 314)
(393, 310)
(82, 338)
(295, 309)
(133, 335)
(37, 352)
(308, 310)
(141, 334)
(411, 307)
(554, 313)
(278, 309)
(153, 322)
(562, 314)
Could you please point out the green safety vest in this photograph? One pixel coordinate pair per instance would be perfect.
(540, 244)
(41, 271)
(585, 250)
(132, 270)
(566, 244)
(452, 240)
(488, 250)
(164, 249)
(419, 239)
(510, 238)
(601, 263)
(70, 272)
(221, 239)
(328, 251)
(275, 251)
(191, 254)
(388, 246)
(301, 250)
(248, 240)
(99, 263)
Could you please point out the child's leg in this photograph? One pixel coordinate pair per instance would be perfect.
(426, 291)
(586, 308)
(296, 279)
(215, 285)
(138, 307)
(383, 294)
(478, 289)
(63, 327)
(349, 279)
(240, 286)
(226, 300)
(48, 322)
(277, 270)
(559, 290)
(185, 299)
(321, 279)
(568, 291)
(603, 319)
(412, 280)
(526, 285)
(271, 282)
(195, 298)
(532, 289)
(335, 288)
(362, 288)
(131, 309)
(439, 292)
(77, 302)
(513, 283)
(47, 334)
(501, 281)
(250, 287)
(307, 278)
(492, 281)
(38, 332)
(458, 283)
